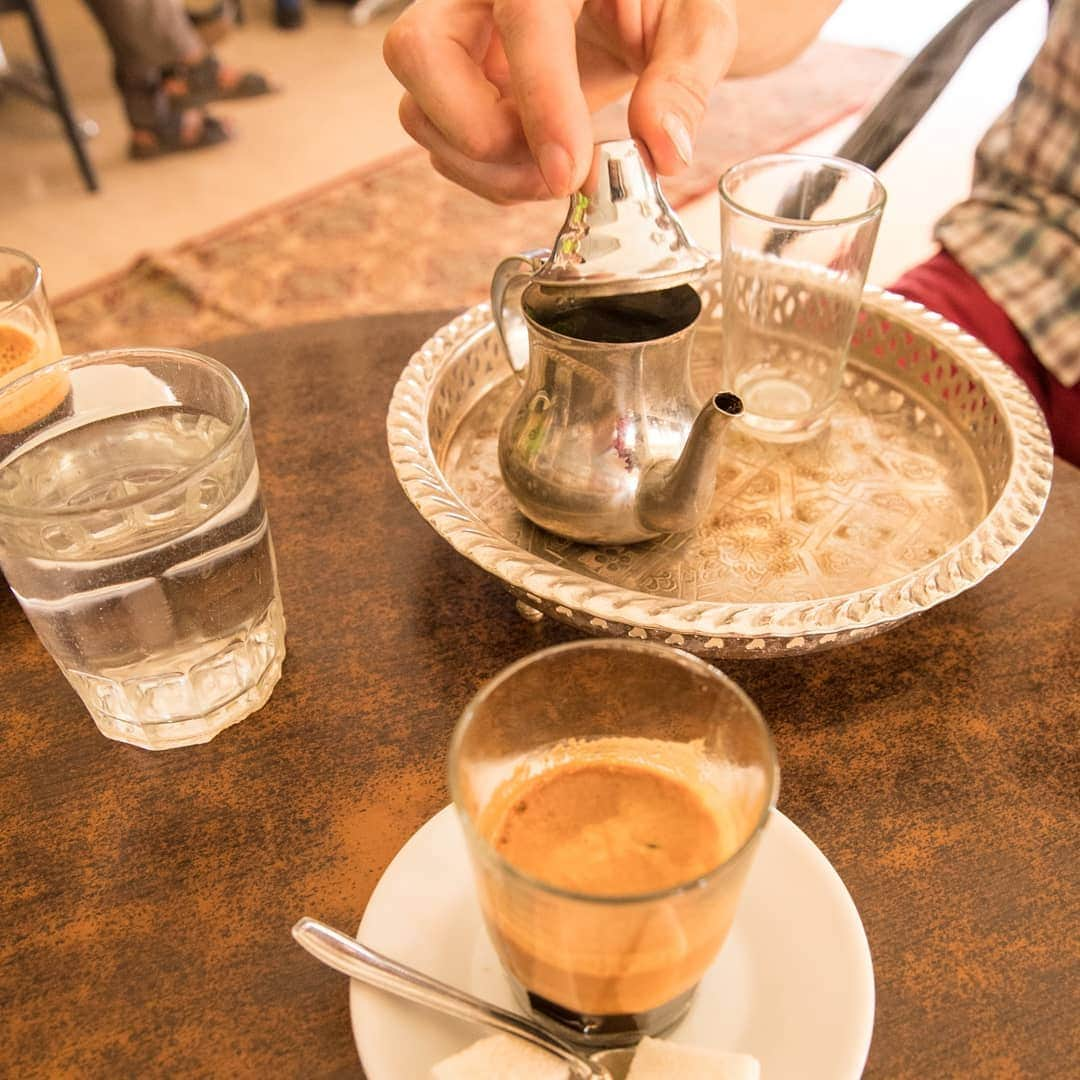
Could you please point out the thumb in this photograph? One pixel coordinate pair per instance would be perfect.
(691, 52)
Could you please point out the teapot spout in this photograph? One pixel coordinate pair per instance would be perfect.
(675, 495)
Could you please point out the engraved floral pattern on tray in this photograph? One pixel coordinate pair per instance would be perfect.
(935, 468)
(888, 490)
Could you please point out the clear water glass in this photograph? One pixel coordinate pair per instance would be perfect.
(134, 535)
(797, 235)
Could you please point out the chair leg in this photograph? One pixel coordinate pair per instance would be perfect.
(63, 103)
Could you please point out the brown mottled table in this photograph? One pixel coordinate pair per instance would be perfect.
(146, 898)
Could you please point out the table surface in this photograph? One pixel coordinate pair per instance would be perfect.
(146, 898)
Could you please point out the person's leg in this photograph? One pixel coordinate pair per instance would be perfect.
(1063, 416)
(147, 36)
(943, 285)
(212, 19)
(166, 75)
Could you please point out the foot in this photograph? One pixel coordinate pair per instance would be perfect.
(202, 79)
(188, 129)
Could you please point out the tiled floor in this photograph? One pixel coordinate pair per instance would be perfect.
(338, 110)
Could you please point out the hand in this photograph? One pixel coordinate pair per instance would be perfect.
(500, 91)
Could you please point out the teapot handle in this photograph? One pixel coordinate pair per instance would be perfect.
(511, 277)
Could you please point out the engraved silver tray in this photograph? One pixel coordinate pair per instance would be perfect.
(935, 468)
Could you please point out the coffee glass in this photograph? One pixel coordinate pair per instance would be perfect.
(134, 535)
(797, 233)
(28, 340)
(604, 967)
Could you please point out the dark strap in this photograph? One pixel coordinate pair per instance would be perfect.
(917, 87)
(904, 104)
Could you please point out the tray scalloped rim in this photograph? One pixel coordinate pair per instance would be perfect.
(803, 623)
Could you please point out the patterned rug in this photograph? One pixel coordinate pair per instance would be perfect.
(394, 236)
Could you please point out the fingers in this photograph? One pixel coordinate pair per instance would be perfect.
(502, 184)
(436, 50)
(489, 79)
(539, 41)
(692, 50)
(515, 179)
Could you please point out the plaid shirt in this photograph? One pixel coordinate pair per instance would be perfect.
(1018, 233)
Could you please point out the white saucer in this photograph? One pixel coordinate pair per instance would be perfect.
(793, 985)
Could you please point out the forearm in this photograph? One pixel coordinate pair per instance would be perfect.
(773, 32)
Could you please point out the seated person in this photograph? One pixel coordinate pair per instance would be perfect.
(166, 76)
(1009, 267)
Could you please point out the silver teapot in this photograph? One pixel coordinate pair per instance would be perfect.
(606, 442)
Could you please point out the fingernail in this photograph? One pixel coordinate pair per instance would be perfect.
(679, 136)
(556, 168)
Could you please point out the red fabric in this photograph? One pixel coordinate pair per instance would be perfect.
(943, 285)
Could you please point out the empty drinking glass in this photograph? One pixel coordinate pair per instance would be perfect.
(797, 233)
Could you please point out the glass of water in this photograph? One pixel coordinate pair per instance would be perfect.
(133, 533)
(797, 233)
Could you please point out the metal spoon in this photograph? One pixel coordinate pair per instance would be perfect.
(345, 954)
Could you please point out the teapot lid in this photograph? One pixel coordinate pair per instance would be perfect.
(620, 234)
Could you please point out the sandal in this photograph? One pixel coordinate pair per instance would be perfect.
(193, 85)
(171, 138)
